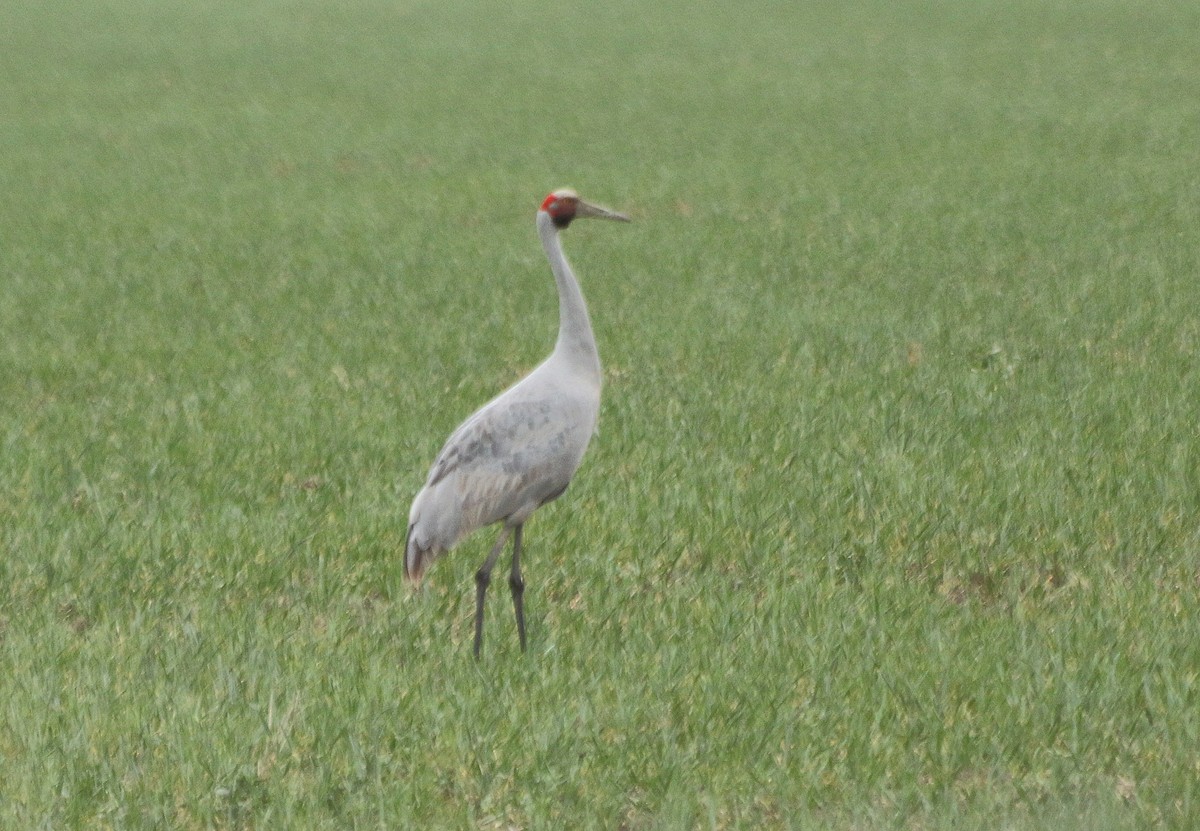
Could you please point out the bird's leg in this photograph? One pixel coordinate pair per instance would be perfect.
(518, 585)
(482, 578)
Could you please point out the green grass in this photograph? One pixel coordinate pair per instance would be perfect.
(893, 519)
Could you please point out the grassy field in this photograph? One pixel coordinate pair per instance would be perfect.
(893, 518)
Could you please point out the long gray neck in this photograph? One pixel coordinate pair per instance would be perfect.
(576, 343)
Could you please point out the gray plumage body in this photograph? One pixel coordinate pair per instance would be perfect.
(504, 462)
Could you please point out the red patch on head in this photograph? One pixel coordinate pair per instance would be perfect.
(561, 206)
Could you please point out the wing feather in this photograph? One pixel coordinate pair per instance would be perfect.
(520, 438)
(516, 453)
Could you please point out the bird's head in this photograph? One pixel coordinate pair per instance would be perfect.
(565, 205)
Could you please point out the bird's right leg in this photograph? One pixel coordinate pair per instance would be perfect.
(517, 584)
(482, 578)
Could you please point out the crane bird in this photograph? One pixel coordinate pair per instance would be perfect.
(520, 450)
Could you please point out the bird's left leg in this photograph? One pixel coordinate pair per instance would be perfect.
(517, 584)
(482, 578)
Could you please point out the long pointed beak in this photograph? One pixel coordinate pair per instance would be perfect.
(596, 212)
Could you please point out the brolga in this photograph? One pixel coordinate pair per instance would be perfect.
(520, 450)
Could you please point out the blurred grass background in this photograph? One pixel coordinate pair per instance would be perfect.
(892, 516)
